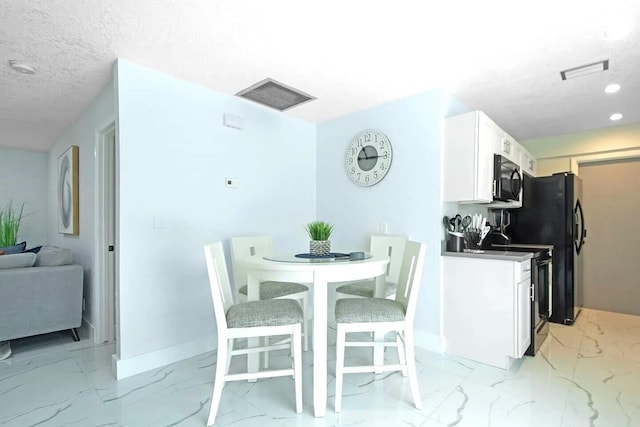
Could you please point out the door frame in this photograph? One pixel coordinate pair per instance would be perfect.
(105, 292)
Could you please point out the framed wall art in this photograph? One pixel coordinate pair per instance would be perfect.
(68, 183)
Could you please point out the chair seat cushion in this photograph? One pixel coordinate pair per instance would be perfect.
(271, 290)
(366, 289)
(274, 312)
(367, 310)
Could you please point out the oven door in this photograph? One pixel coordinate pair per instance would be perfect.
(507, 180)
(544, 267)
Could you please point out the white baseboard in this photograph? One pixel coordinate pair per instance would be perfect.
(87, 330)
(123, 368)
(428, 341)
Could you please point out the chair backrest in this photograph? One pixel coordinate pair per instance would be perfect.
(242, 247)
(219, 282)
(410, 277)
(393, 247)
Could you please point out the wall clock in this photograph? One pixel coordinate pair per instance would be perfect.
(368, 157)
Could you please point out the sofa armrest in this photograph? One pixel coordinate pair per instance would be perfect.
(38, 300)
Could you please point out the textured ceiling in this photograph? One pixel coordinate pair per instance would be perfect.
(501, 57)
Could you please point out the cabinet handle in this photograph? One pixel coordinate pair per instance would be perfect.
(532, 291)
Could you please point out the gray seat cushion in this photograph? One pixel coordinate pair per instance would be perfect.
(365, 289)
(271, 290)
(357, 310)
(274, 312)
(24, 259)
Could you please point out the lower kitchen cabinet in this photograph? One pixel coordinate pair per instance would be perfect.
(486, 309)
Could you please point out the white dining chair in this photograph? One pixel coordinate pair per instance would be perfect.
(380, 315)
(253, 319)
(242, 247)
(391, 246)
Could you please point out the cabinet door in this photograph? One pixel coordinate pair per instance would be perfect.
(467, 160)
(527, 162)
(488, 135)
(523, 317)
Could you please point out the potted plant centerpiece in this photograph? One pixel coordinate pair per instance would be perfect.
(319, 232)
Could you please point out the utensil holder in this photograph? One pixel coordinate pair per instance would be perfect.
(455, 243)
(472, 240)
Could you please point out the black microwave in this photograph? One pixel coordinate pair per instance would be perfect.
(507, 180)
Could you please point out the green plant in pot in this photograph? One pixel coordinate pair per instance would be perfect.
(9, 225)
(319, 232)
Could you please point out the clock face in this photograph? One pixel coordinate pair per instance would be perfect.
(368, 157)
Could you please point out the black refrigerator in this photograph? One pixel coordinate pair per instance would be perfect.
(552, 214)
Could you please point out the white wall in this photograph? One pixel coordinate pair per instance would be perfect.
(565, 152)
(174, 155)
(23, 179)
(84, 134)
(407, 199)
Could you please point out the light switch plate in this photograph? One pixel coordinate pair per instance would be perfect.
(231, 183)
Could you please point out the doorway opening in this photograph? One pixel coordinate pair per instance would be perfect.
(105, 288)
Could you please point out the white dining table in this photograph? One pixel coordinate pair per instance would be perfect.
(318, 273)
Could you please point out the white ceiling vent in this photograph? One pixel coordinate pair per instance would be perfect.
(583, 70)
(275, 95)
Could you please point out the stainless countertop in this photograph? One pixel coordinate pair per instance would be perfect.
(489, 254)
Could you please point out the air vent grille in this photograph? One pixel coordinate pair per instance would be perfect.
(583, 70)
(275, 95)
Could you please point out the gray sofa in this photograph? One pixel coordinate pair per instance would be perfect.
(41, 298)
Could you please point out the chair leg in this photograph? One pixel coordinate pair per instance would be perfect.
(230, 347)
(411, 366)
(297, 365)
(402, 358)
(340, 348)
(305, 323)
(74, 332)
(218, 382)
(264, 342)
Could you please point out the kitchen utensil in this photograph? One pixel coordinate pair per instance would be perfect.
(475, 223)
(447, 223)
(466, 222)
(456, 222)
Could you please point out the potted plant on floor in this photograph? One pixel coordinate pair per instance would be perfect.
(319, 232)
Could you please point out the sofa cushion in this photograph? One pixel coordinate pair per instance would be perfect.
(49, 256)
(25, 259)
(15, 249)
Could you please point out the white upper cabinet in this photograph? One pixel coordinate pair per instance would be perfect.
(527, 162)
(469, 143)
(508, 147)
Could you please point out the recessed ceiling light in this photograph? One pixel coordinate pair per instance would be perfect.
(612, 88)
(22, 67)
(615, 117)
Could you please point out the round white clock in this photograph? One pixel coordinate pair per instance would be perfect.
(368, 157)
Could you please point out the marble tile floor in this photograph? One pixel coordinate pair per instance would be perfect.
(587, 374)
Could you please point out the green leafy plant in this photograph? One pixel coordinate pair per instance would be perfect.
(9, 225)
(319, 230)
